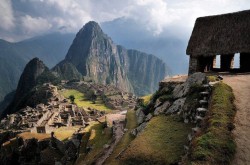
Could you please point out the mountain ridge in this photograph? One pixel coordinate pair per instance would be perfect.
(95, 55)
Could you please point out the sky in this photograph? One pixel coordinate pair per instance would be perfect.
(21, 19)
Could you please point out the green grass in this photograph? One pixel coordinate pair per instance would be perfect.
(126, 139)
(161, 142)
(96, 137)
(81, 100)
(212, 78)
(216, 145)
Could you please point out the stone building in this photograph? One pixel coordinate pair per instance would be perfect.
(223, 35)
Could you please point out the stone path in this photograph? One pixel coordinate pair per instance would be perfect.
(241, 89)
(118, 133)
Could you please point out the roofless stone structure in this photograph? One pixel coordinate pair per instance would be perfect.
(222, 35)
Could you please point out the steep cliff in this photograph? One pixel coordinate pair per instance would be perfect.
(94, 55)
(145, 71)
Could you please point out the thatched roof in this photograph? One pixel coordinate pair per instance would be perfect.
(221, 34)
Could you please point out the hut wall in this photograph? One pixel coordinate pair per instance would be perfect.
(227, 62)
(244, 61)
(193, 65)
(201, 64)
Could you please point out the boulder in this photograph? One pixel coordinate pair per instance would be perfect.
(161, 109)
(182, 90)
(139, 129)
(157, 103)
(177, 106)
(140, 115)
(148, 117)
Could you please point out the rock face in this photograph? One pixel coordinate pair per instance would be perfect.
(29, 76)
(145, 71)
(94, 55)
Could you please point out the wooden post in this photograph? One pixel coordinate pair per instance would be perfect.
(226, 62)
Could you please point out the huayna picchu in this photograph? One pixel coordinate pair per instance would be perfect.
(94, 55)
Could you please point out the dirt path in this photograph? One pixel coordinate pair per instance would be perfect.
(241, 89)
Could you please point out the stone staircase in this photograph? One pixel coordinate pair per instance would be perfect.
(200, 113)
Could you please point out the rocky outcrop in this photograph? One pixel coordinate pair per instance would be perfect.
(94, 55)
(177, 95)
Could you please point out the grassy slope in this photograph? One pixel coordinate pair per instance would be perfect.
(161, 142)
(81, 101)
(126, 139)
(96, 137)
(216, 145)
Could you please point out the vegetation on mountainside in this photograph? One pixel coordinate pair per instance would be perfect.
(146, 99)
(216, 144)
(161, 142)
(126, 139)
(82, 101)
(46, 77)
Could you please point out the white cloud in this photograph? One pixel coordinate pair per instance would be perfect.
(6, 15)
(157, 16)
(34, 25)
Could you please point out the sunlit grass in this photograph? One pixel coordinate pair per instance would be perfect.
(63, 133)
(38, 136)
(146, 99)
(161, 142)
(82, 101)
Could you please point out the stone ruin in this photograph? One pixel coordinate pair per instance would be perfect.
(44, 119)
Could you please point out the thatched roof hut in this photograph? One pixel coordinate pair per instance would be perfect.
(221, 34)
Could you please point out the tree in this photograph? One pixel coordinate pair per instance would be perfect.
(72, 99)
(91, 95)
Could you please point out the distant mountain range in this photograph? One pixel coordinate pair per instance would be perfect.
(94, 56)
(50, 48)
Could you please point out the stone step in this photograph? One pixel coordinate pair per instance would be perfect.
(204, 93)
(190, 137)
(186, 148)
(205, 85)
(203, 102)
(199, 118)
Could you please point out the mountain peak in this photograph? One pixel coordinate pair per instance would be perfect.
(91, 27)
(32, 70)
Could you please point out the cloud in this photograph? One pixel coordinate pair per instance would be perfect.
(34, 25)
(158, 17)
(6, 15)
